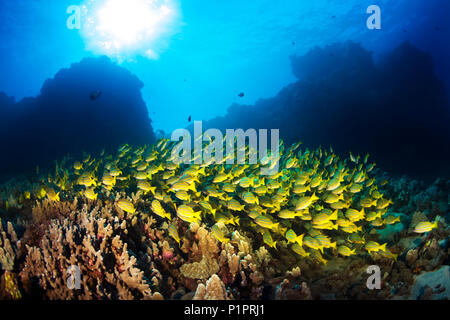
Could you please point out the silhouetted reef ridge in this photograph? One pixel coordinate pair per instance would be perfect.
(395, 109)
(64, 119)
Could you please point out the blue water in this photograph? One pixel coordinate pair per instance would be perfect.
(220, 48)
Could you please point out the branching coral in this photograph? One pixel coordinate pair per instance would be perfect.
(206, 249)
(213, 290)
(96, 247)
(8, 247)
(115, 244)
(46, 209)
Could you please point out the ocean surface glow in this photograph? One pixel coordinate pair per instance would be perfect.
(125, 29)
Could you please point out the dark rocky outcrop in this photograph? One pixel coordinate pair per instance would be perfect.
(64, 119)
(395, 109)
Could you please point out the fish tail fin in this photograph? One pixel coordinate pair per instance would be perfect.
(333, 245)
(334, 215)
(383, 247)
(197, 214)
(299, 239)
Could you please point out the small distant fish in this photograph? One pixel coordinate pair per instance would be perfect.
(373, 246)
(126, 206)
(187, 214)
(95, 95)
(267, 238)
(392, 219)
(425, 226)
(292, 237)
(53, 196)
(90, 194)
(173, 232)
(189, 119)
(293, 43)
(345, 251)
(218, 234)
(240, 95)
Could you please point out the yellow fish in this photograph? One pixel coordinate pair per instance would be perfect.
(159, 210)
(346, 251)
(425, 226)
(126, 206)
(90, 194)
(187, 214)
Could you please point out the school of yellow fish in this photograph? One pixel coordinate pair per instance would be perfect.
(316, 204)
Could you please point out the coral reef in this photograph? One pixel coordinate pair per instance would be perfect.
(213, 290)
(88, 241)
(119, 228)
(8, 247)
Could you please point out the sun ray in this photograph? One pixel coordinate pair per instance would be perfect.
(120, 28)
